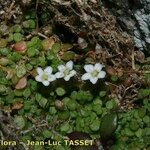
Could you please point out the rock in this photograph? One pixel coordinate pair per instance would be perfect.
(123, 12)
(142, 29)
(134, 18)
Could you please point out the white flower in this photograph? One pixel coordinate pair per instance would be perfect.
(93, 72)
(66, 71)
(45, 76)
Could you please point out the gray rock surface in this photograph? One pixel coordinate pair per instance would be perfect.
(134, 17)
(142, 28)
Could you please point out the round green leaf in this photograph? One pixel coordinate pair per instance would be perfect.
(60, 91)
(21, 71)
(95, 125)
(17, 37)
(47, 133)
(56, 47)
(20, 122)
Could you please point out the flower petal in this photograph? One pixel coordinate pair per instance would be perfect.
(59, 75)
(67, 78)
(38, 78)
(89, 68)
(98, 66)
(102, 74)
(72, 73)
(48, 70)
(69, 65)
(51, 78)
(86, 76)
(39, 70)
(93, 80)
(61, 68)
(46, 83)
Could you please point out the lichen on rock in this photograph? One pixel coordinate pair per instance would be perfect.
(142, 29)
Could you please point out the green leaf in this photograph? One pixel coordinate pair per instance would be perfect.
(5, 51)
(71, 105)
(111, 104)
(64, 115)
(66, 128)
(14, 56)
(114, 78)
(41, 100)
(69, 55)
(27, 93)
(29, 66)
(84, 96)
(17, 37)
(146, 131)
(21, 71)
(143, 93)
(108, 125)
(10, 37)
(59, 147)
(97, 101)
(47, 133)
(80, 124)
(19, 121)
(52, 110)
(97, 108)
(29, 24)
(134, 125)
(17, 28)
(95, 125)
(35, 40)
(84, 112)
(66, 47)
(102, 93)
(142, 112)
(4, 61)
(27, 105)
(139, 133)
(145, 102)
(60, 91)
(31, 52)
(146, 119)
(56, 47)
(3, 88)
(73, 114)
(74, 95)
(3, 43)
(147, 77)
(18, 92)
(128, 132)
(38, 147)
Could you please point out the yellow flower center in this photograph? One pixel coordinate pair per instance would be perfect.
(94, 73)
(66, 71)
(44, 76)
